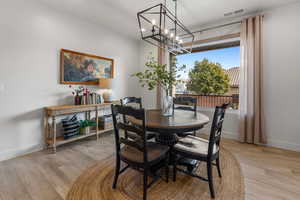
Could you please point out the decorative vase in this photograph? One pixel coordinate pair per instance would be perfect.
(77, 100)
(167, 105)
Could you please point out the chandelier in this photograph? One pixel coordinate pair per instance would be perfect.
(161, 27)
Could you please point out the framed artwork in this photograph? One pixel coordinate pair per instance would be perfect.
(84, 69)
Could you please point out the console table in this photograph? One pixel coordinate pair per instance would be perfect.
(52, 112)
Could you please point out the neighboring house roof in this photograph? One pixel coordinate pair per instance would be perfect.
(234, 76)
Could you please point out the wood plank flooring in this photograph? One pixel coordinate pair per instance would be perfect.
(270, 173)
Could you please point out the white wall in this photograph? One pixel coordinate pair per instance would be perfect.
(147, 51)
(31, 36)
(281, 76)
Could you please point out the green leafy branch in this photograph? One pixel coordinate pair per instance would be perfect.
(158, 74)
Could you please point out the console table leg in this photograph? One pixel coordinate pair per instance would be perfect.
(54, 133)
(97, 132)
(46, 129)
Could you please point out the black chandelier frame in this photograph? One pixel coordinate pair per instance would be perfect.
(182, 39)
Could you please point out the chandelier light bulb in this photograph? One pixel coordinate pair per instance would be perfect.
(171, 35)
(177, 38)
(166, 31)
(153, 21)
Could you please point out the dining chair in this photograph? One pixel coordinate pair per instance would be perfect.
(203, 150)
(134, 102)
(136, 151)
(188, 104)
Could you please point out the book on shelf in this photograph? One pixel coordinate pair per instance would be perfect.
(91, 98)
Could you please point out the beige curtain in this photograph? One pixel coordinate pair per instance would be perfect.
(251, 112)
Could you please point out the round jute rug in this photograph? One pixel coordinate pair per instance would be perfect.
(96, 183)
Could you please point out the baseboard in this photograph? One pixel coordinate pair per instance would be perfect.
(12, 153)
(271, 143)
(284, 145)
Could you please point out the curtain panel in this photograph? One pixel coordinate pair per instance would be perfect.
(251, 109)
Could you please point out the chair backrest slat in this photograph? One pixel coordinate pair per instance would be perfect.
(132, 143)
(133, 136)
(130, 111)
(129, 101)
(127, 127)
(216, 128)
(137, 137)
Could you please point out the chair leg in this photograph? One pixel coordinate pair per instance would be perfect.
(145, 184)
(219, 167)
(117, 170)
(174, 168)
(167, 168)
(210, 179)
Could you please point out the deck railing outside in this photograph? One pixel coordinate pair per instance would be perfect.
(211, 101)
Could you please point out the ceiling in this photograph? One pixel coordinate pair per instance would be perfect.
(197, 12)
(120, 15)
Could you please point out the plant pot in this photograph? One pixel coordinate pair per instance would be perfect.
(167, 106)
(85, 130)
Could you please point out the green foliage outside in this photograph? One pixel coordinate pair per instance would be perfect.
(208, 78)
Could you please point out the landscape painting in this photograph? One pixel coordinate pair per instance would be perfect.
(84, 69)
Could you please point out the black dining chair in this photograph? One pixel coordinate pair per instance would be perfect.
(134, 102)
(136, 151)
(188, 104)
(203, 150)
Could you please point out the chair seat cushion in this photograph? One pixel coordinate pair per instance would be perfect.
(155, 152)
(194, 145)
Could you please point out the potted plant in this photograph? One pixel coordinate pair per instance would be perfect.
(85, 126)
(159, 75)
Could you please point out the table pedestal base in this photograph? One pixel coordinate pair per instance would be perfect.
(171, 140)
(168, 140)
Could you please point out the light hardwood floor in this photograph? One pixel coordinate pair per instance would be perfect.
(270, 173)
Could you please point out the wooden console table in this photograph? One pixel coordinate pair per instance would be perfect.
(51, 138)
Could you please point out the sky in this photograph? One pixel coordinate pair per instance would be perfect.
(228, 57)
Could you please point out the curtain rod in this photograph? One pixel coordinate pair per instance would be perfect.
(215, 27)
(220, 26)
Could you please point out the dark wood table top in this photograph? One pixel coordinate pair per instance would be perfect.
(180, 120)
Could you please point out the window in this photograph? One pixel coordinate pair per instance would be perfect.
(211, 75)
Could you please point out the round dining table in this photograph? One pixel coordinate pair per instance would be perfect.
(181, 121)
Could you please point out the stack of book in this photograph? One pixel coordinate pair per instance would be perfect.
(91, 98)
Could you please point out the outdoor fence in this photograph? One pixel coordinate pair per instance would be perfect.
(210, 101)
